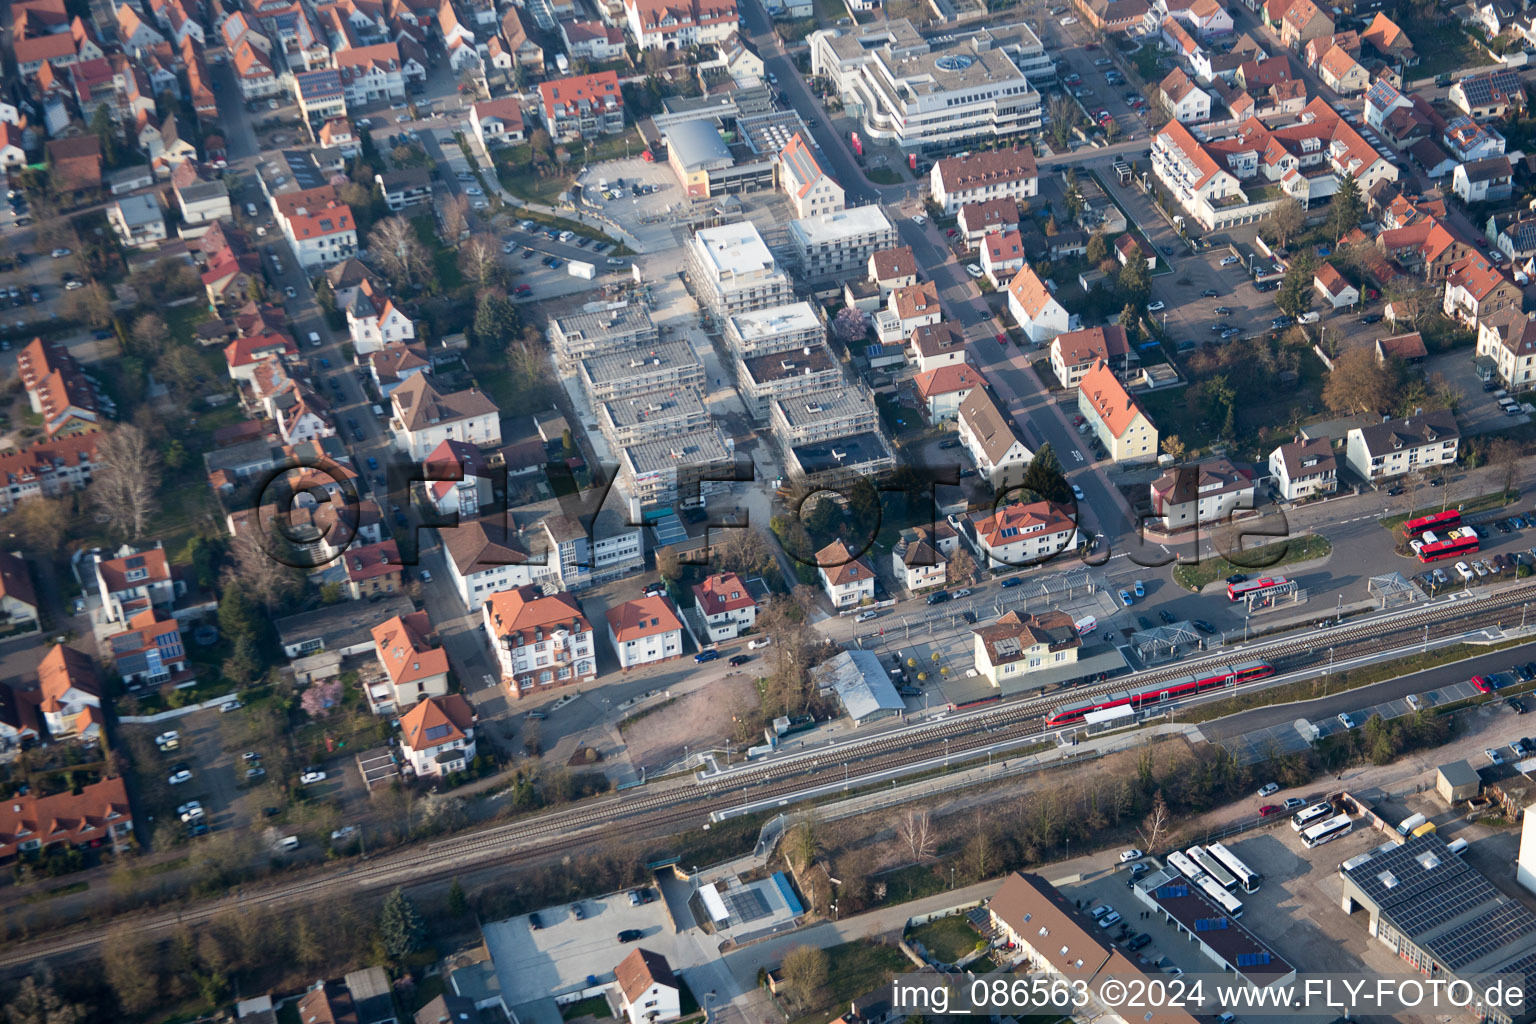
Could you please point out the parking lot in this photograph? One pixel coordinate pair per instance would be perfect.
(1191, 315)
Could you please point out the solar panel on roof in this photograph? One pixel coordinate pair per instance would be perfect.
(1210, 924)
(1168, 892)
(1252, 959)
(1484, 934)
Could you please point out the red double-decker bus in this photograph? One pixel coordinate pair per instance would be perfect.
(1439, 522)
(1238, 591)
(1432, 547)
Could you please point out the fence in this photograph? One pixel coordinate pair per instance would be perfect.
(163, 716)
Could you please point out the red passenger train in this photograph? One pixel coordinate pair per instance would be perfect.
(1173, 689)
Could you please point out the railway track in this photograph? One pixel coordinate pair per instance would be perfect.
(681, 807)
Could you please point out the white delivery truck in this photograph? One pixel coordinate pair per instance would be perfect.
(580, 269)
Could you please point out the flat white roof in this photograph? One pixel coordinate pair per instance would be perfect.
(735, 249)
(829, 228)
(765, 323)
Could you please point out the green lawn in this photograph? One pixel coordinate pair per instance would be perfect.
(884, 176)
(948, 938)
(596, 1006)
(1145, 61)
(828, 11)
(1270, 556)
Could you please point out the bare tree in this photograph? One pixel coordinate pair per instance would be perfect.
(455, 218)
(962, 568)
(149, 334)
(399, 252)
(90, 305)
(479, 258)
(1504, 453)
(804, 970)
(129, 964)
(261, 569)
(126, 477)
(1288, 220)
(1156, 824)
(915, 830)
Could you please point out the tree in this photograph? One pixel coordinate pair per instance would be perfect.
(1295, 293)
(850, 325)
(180, 368)
(455, 218)
(1174, 447)
(480, 260)
(1348, 207)
(1359, 384)
(1045, 477)
(1098, 248)
(802, 844)
(496, 319)
(1136, 281)
(744, 551)
(915, 830)
(320, 698)
(398, 251)
(804, 970)
(1130, 319)
(1410, 299)
(41, 526)
(149, 334)
(90, 305)
(401, 928)
(36, 1002)
(667, 564)
(265, 572)
(962, 568)
(125, 480)
(1156, 823)
(1504, 453)
(130, 970)
(458, 903)
(1289, 218)
(1064, 117)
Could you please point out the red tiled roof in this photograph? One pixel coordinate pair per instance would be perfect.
(722, 592)
(642, 617)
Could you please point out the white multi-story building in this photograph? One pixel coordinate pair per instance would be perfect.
(413, 670)
(1304, 469)
(645, 630)
(761, 379)
(677, 471)
(1209, 492)
(317, 224)
(775, 329)
(659, 366)
(437, 736)
(373, 321)
(371, 74)
(485, 557)
(539, 641)
(726, 605)
(847, 580)
(1422, 443)
(1034, 308)
(652, 416)
(824, 416)
(1018, 534)
(840, 242)
(732, 270)
(935, 93)
(981, 177)
(988, 433)
(1508, 337)
(1116, 418)
(624, 325)
(662, 25)
(808, 187)
(423, 418)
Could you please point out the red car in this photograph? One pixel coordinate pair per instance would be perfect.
(951, 232)
(1481, 685)
(1002, 339)
(521, 289)
(1077, 421)
(1269, 809)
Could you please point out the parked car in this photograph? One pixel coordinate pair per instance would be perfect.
(1345, 720)
(704, 656)
(1268, 788)
(1126, 856)
(739, 660)
(1125, 599)
(311, 776)
(1269, 809)
(1294, 803)
(181, 773)
(1012, 581)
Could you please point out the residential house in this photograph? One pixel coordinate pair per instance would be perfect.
(1489, 180)
(57, 389)
(74, 164)
(138, 221)
(1304, 21)
(1390, 42)
(1034, 308)
(1342, 73)
(938, 344)
(70, 694)
(943, 389)
(423, 418)
(202, 202)
(405, 187)
(1332, 286)
(810, 190)
(847, 580)
(1304, 469)
(582, 106)
(371, 74)
(1115, 417)
(374, 569)
(1207, 492)
(1466, 139)
(413, 669)
(522, 50)
(1019, 534)
(318, 225)
(725, 604)
(459, 479)
(437, 736)
(47, 469)
(1112, 15)
(254, 73)
(669, 26)
(645, 630)
(1019, 643)
(649, 993)
(1488, 95)
(1185, 100)
(592, 40)
(977, 220)
(1074, 353)
(907, 309)
(498, 122)
(992, 438)
(396, 363)
(891, 269)
(12, 155)
(1420, 443)
(150, 651)
(1406, 348)
(98, 816)
(1002, 256)
(486, 556)
(18, 598)
(1508, 337)
(1475, 288)
(133, 580)
(1513, 233)
(991, 174)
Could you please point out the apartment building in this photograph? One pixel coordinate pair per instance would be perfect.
(761, 379)
(1207, 492)
(624, 325)
(1304, 469)
(317, 224)
(423, 417)
(1115, 417)
(1020, 643)
(982, 177)
(726, 606)
(660, 366)
(1074, 353)
(437, 737)
(662, 25)
(989, 435)
(635, 418)
(824, 416)
(645, 631)
(775, 329)
(1019, 534)
(412, 668)
(732, 271)
(488, 556)
(1422, 443)
(539, 640)
(840, 242)
(681, 471)
(1508, 337)
(583, 106)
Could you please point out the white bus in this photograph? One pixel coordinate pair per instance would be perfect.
(1310, 815)
(1326, 831)
(1223, 899)
(1211, 866)
(1183, 865)
(1248, 878)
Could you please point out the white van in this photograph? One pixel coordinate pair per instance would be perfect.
(314, 339)
(289, 843)
(1310, 317)
(250, 209)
